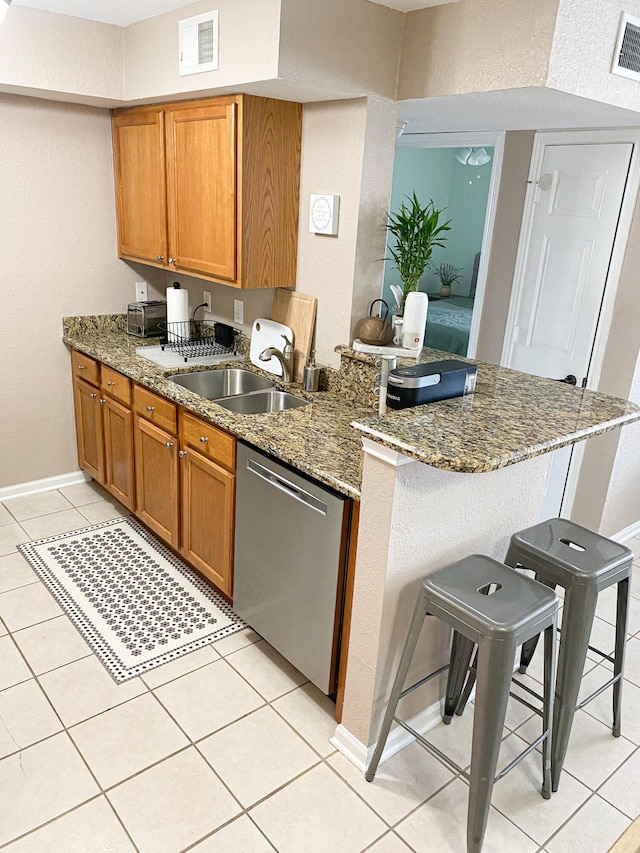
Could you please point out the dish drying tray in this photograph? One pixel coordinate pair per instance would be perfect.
(192, 339)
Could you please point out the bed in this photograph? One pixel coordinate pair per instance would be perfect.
(448, 324)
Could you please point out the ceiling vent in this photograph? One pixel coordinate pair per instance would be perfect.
(626, 59)
(198, 40)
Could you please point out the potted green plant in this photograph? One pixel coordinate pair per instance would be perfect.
(448, 274)
(416, 230)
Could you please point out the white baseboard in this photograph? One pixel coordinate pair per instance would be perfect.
(628, 533)
(44, 485)
(360, 755)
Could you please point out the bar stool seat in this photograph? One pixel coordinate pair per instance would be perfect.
(584, 564)
(498, 609)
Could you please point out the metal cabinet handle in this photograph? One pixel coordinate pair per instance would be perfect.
(168, 445)
(203, 439)
(82, 367)
(172, 260)
(110, 384)
(182, 453)
(149, 409)
(93, 396)
(159, 257)
(102, 401)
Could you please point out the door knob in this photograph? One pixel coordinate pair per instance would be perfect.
(569, 379)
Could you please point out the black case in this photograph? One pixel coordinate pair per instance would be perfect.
(428, 383)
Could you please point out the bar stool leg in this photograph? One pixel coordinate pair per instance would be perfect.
(461, 651)
(528, 648)
(468, 687)
(618, 667)
(495, 667)
(415, 627)
(580, 602)
(547, 707)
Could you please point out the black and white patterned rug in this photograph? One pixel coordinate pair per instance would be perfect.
(136, 603)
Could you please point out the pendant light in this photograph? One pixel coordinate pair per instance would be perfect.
(472, 156)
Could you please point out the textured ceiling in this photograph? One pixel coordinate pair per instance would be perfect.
(125, 12)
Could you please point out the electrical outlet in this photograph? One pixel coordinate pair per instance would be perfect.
(141, 291)
(238, 311)
(206, 298)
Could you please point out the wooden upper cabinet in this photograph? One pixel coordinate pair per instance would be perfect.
(141, 201)
(224, 174)
(201, 188)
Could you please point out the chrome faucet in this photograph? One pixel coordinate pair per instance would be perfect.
(284, 356)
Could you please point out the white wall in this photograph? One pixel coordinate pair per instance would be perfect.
(583, 46)
(622, 503)
(332, 155)
(414, 520)
(58, 249)
(57, 56)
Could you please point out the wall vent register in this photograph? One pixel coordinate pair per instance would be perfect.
(626, 59)
(198, 43)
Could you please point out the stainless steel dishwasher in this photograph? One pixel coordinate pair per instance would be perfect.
(290, 556)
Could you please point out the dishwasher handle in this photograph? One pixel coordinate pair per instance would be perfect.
(287, 487)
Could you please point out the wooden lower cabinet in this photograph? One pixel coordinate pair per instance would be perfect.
(187, 496)
(208, 503)
(89, 433)
(119, 477)
(156, 458)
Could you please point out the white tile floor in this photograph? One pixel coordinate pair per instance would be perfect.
(227, 749)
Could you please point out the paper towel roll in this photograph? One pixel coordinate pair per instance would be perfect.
(177, 313)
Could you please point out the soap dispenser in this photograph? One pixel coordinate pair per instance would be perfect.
(311, 374)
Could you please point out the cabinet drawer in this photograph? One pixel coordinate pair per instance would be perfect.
(155, 408)
(207, 439)
(116, 385)
(85, 367)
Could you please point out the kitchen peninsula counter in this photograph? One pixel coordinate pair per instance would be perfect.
(511, 416)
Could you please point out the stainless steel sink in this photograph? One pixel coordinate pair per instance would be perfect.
(262, 402)
(226, 382)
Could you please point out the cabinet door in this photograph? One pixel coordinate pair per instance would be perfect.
(208, 500)
(117, 422)
(201, 187)
(89, 429)
(141, 201)
(156, 456)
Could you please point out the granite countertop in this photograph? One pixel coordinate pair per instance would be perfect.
(316, 439)
(512, 416)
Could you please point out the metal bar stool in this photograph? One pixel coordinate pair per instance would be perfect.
(584, 563)
(498, 609)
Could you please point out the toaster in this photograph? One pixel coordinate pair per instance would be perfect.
(427, 383)
(146, 319)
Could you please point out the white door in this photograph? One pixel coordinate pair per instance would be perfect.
(577, 200)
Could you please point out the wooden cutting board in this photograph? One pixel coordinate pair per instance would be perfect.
(297, 310)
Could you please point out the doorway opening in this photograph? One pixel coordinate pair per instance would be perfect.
(460, 173)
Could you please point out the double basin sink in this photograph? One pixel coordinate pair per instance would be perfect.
(239, 391)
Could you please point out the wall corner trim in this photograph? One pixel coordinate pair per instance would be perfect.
(382, 452)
